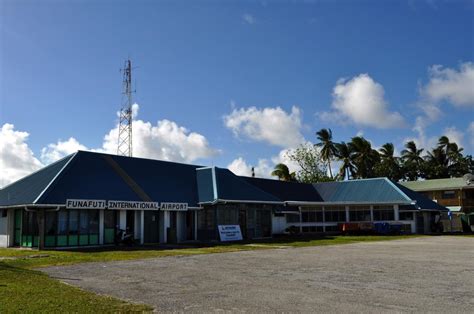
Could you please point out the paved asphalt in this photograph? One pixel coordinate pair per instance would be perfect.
(432, 274)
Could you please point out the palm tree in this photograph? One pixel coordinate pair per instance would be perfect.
(283, 173)
(365, 158)
(412, 161)
(328, 148)
(344, 154)
(389, 166)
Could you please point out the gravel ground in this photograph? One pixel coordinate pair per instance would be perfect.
(430, 274)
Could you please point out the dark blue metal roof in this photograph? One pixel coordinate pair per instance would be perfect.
(232, 187)
(27, 189)
(286, 191)
(422, 202)
(205, 184)
(378, 190)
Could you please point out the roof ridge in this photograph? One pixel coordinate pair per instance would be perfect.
(35, 172)
(71, 157)
(394, 185)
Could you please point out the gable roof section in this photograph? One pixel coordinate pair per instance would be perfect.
(377, 190)
(422, 202)
(286, 191)
(162, 181)
(229, 187)
(28, 189)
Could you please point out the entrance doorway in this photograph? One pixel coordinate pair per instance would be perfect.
(152, 226)
(189, 225)
(172, 231)
(243, 222)
(130, 225)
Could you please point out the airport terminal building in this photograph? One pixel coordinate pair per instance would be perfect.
(85, 198)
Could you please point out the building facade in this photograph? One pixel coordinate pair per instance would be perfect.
(456, 194)
(86, 198)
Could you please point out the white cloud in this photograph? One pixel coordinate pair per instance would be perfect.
(16, 158)
(470, 133)
(360, 100)
(271, 125)
(166, 140)
(249, 18)
(454, 135)
(240, 167)
(451, 85)
(54, 152)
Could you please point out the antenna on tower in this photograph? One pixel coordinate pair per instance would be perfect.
(125, 125)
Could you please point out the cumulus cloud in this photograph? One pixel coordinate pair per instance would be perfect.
(264, 166)
(271, 125)
(53, 152)
(361, 101)
(454, 135)
(249, 18)
(240, 167)
(456, 86)
(165, 140)
(16, 158)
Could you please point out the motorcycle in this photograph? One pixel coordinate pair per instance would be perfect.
(124, 237)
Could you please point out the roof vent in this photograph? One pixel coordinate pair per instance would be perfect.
(469, 178)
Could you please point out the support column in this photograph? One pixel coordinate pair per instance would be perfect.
(101, 226)
(166, 225)
(196, 225)
(347, 214)
(40, 218)
(301, 220)
(123, 219)
(142, 227)
(372, 213)
(396, 213)
(324, 220)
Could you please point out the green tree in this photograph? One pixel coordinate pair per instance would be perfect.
(328, 147)
(365, 158)
(389, 165)
(310, 162)
(344, 155)
(412, 161)
(283, 173)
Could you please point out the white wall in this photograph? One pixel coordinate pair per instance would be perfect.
(4, 234)
(278, 224)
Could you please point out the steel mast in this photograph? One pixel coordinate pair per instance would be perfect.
(125, 147)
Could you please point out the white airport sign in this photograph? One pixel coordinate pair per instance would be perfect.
(131, 205)
(230, 233)
(174, 206)
(81, 203)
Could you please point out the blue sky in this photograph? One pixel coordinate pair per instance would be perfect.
(200, 61)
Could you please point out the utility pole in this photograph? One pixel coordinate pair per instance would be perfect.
(125, 125)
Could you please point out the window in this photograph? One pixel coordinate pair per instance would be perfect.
(449, 194)
(83, 221)
(312, 216)
(335, 215)
(406, 215)
(382, 213)
(312, 229)
(292, 218)
(50, 223)
(357, 213)
(93, 221)
(4, 213)
(62, 222)
(73, 221)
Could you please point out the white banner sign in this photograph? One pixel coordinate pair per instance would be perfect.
(132, 205)
(78, 204)
(174, 206)
(230, 233)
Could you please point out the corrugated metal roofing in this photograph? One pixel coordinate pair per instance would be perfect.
(422, 202)
(377, 190)
(286, 191)
(437, 184)
(27, 189)
(232, 187)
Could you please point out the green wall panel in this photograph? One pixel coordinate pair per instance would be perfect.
(62, 240)
(83, 240)
(93, 239)
(50, 241)
(73, 240)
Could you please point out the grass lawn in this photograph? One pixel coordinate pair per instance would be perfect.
(24, 289)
